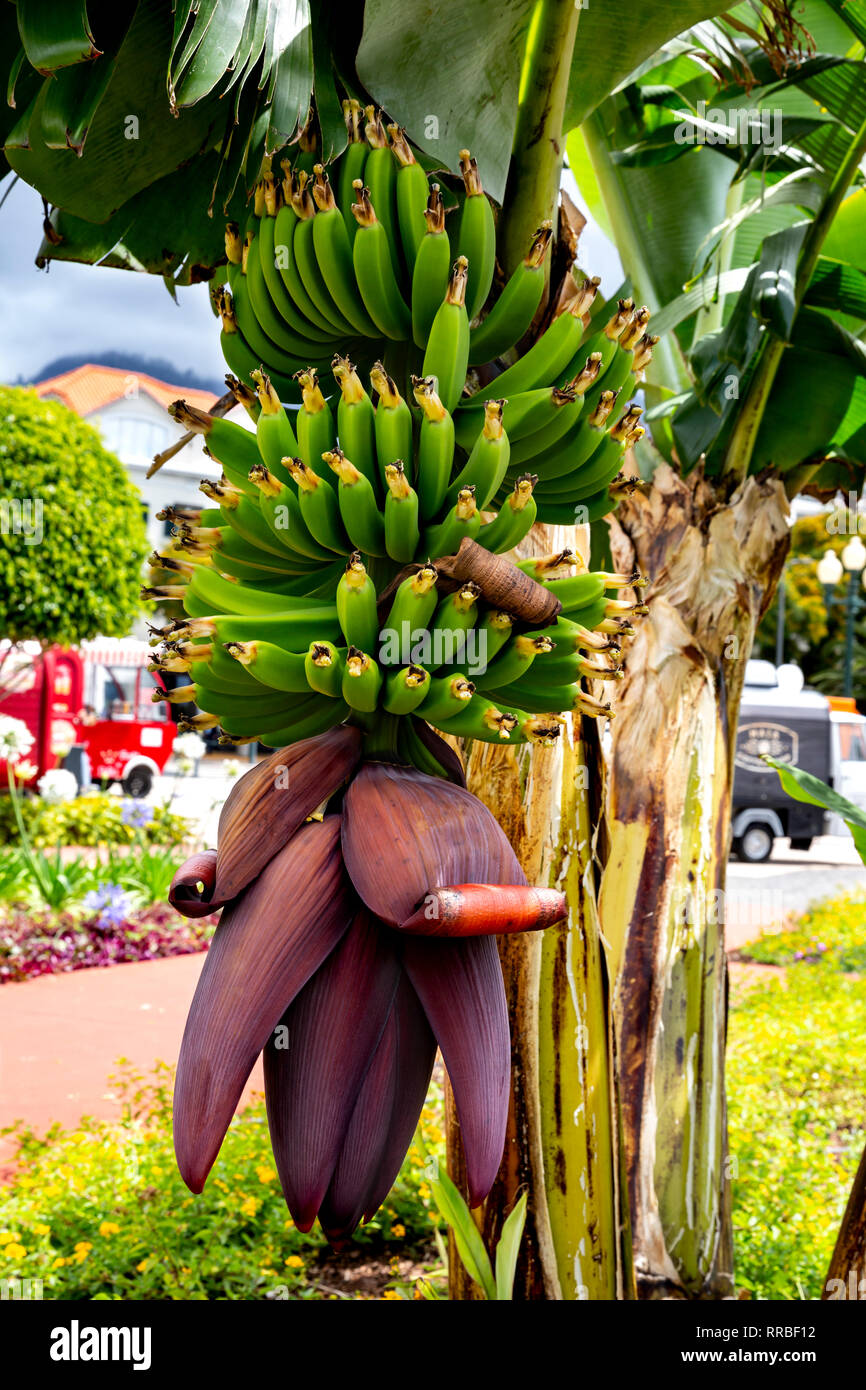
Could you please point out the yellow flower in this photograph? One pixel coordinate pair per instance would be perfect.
(143, 1266)
(6, 1236)
(109, 1228)
(295, 1262)
(15, 1251)
(59, 1262)
(391, 1295)
(84, 1245)
(40, 1229)
(424, 1192)
(265, 1173)
(249, 1206)
(157, 1172)
(398, 1231)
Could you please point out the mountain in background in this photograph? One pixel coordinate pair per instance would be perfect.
(159, 367)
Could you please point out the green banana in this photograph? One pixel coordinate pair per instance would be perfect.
(405, 689)
(271, 665)
(285, 226)
(462, 520)
(431, 270)
(237, 352)
(307, 261)
(356, 605)
(359, 507)
(488, 462)
(494, 630)
(380, 176)
(401, 515)
(351, 165)
(324, 667)
(319, 507)
(411, 610)
(445, 698)
(447, 351)
(512, 314)
(570, 452)
(374, 271)
(453, 620)
(551, 355)
(288, 310)
(411, 187)
(322, 717)
(234, 448)
(226, 596)
(476, 237)
(334, 252)
(281, 511)
(274, 434)
(236, 703)
(269, 352)
(478, 718)
(361, 681)
(392, 423)
(315, 423)
(268, 318)
(355, 420)
(514, 520)
(515, 661)
(435, 448)
(294, 628)
(254, 724)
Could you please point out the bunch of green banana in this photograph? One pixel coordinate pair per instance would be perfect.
(269, 664)
(356, 256)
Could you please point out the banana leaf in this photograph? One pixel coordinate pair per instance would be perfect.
(802, 786)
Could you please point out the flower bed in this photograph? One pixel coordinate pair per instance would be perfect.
(53, 943)
(94, 819)
(101, 1211)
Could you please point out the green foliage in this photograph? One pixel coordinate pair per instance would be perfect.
(101, 1212)
(796, 1067)
(831, 934)
(81, 578)
(95, 819)
(683, 117)
(814, 637)
(803, 786)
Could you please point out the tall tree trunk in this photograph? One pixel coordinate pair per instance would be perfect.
(561, 1143)
(713, 562)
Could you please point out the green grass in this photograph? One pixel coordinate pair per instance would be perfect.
(796, 1079)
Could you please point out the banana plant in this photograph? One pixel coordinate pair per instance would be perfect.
(764, 396)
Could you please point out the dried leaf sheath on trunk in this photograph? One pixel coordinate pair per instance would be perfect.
(713, 565)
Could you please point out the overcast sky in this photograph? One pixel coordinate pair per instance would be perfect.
(91, 310)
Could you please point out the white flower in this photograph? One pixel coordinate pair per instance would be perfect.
(25, 771)
(57, 785)
(189, 746)
(16, 739)
(232, 767)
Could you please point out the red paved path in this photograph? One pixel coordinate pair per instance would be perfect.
(60, 1036)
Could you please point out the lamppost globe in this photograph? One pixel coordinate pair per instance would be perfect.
(830, 569)
(854, 555)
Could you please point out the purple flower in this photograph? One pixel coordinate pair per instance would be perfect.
(111, 902)
(137, 814)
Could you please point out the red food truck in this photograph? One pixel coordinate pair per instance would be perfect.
(94, 702)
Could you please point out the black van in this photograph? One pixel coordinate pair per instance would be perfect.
(797, 726)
